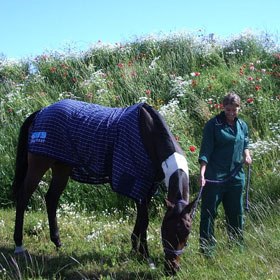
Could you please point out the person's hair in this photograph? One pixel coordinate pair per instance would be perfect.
(231, 99)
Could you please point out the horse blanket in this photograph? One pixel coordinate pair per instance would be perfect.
(102, 144)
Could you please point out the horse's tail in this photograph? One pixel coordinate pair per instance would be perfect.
(21, 157)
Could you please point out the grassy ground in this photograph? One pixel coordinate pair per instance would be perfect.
(98, 247)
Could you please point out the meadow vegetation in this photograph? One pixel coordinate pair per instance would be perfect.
(184, 76)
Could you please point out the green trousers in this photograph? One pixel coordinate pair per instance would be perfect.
(231, 196)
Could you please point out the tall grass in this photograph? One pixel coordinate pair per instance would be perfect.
(96, 245)
(184, 76)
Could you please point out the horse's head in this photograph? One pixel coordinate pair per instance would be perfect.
(175, 230)
(176, 224)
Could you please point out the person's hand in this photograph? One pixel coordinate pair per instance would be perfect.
(247, 160)
(202, 181)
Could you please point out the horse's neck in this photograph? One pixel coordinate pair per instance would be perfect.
(156, 136)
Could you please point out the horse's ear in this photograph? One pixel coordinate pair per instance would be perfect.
(188, 208)
(169, 204)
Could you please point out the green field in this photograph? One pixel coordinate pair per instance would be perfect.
(184, 76)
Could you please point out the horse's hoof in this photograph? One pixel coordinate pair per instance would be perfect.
(57, 243)
(58, 247)
(20, 251)
(151, 264)
(22, 255)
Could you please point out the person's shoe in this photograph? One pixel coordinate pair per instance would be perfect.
(241, 248)
(207, 252)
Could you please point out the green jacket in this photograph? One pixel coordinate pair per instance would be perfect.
(222, 147)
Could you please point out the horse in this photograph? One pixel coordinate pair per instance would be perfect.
(51, 139)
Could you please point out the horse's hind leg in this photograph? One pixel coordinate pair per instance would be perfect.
(60, 175)
(37, 166)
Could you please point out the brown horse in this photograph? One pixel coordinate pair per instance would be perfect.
(162, 149)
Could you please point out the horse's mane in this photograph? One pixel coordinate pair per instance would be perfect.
(160, 124)
(164, 137)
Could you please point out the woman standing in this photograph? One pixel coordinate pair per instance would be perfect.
(224, 148)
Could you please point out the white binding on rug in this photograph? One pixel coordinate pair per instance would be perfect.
(172, 163)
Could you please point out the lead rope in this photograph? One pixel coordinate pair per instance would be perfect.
(232, 175)
(247, 203)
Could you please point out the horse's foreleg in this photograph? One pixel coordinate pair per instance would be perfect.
(60, 175)
(36, 170)
(140, 230)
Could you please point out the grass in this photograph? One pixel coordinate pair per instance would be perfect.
(98, 247)
(184, 76)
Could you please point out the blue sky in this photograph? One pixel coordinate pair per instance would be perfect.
(29, 27)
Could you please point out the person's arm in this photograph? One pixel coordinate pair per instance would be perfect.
(206, 150)
(203, 165)
(246, 153)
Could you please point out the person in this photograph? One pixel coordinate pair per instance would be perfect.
(224, 148)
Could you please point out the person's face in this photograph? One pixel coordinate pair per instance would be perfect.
(231, 112)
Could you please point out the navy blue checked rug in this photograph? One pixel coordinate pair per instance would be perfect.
(103, 144)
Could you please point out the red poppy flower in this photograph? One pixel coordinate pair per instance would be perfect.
(177, 138)
(216, 106)
(192, 148)
(257, 87)
(250, 100)
(74, 80)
